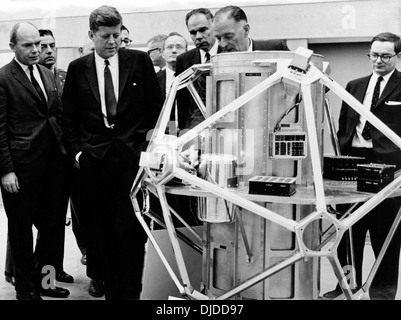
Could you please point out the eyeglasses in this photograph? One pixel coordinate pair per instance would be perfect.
(126, 41)
(384, 57)
(149, 51)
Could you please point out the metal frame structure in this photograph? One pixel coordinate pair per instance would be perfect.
(162, 162)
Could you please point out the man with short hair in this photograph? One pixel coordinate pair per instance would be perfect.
(125, 39)
(231, 28)
(47, 58)
(174, 46)
(111, 100)
(199, 23)
(155, 47)
(31, 164)
(358, 138)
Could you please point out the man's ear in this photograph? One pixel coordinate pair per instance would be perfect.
(12, 46)
(90, 34)
(247, 28)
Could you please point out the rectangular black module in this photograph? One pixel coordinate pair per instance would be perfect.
(376, 171)
(341, 168)
(373, 186)
(268, 185)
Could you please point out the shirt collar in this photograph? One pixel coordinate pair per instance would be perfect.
(169, 73)
(112, 60)
(24, 66)
(250, 48)
(385, 78)
(212, 51)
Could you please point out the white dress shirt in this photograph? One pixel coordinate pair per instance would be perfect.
(358, 141)
(113, 66)
(170, 76)
(36, 74)
(212, 52)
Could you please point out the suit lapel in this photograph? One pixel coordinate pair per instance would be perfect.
(92, 76)
(21, 77)
(123, 71)
(196, 59)
(393, 83)
(48, 86)
(361, 89)
(359, 95)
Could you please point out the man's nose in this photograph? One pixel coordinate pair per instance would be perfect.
(199, 35)
(36, 47)
(111, 39)
(222, 43)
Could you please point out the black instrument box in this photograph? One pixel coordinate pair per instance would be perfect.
(268, 185)
(373, 177)
(341, 168)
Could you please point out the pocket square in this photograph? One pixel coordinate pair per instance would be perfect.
(393, 103)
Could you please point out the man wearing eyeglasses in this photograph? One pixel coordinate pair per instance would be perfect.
(155, 47)
(359, 138)
(125, 40)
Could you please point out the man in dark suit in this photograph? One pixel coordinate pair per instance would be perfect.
(31, 163)
(155, 47)
(357, 138)
(174, 45)
(199, 24)
(47, 58)
(231, 28)
(111, 100)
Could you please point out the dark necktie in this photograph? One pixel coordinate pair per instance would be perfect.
(36, 85)
(366, 132)
(111, 102)
(202, 81)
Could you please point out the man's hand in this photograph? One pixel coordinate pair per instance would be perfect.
(188, 159)
(10, 182)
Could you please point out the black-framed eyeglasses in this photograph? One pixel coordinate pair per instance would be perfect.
(149, 51)
(126, 41)
(383, 57)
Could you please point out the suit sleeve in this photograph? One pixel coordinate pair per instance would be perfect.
(6, 163)
(183, 97)
(153, 96)
(70, 118)
(342, 122)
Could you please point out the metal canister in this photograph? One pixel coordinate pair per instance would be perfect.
(219, 169)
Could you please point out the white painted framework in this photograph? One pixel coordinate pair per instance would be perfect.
(154, 180)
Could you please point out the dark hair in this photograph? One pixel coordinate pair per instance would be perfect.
(124, 28)
(390, 37)
(14, 31)
(233, 12)
(171, 34)
(104, 16)
(203, 11)
(45, 32)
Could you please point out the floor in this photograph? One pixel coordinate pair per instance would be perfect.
(155, 272)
